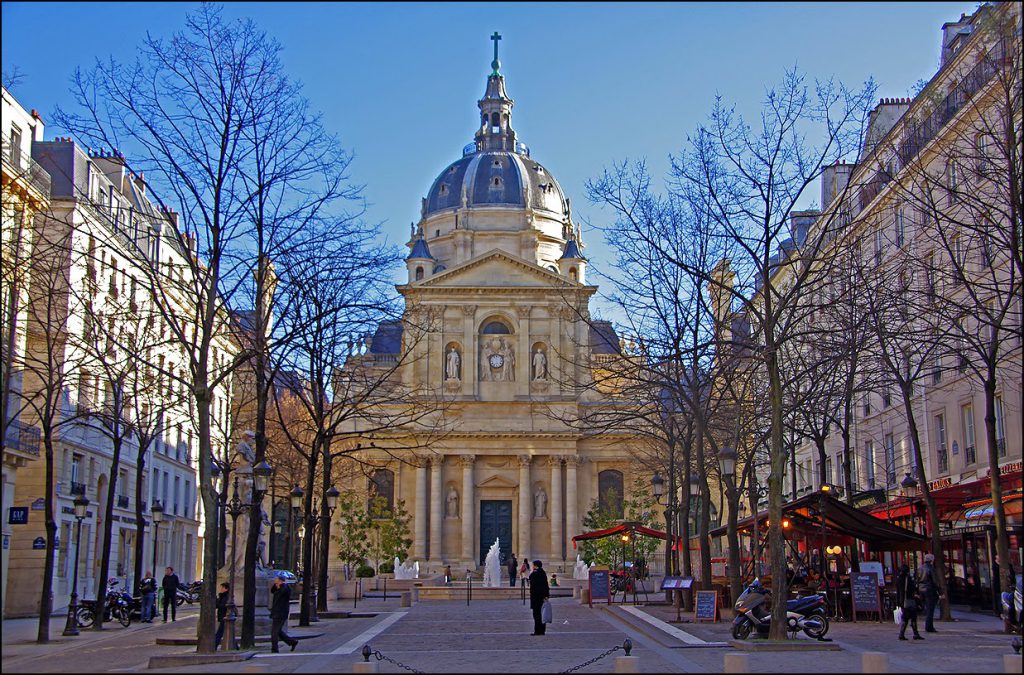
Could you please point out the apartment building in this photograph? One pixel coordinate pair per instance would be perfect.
(115, 279)
(921, 216)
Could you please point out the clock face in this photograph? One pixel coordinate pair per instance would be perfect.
(496, 360)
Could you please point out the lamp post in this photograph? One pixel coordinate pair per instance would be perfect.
(331, 502)
(81, 510)
(296, 503)
(727, 467)
(158, 515)
(234, 508)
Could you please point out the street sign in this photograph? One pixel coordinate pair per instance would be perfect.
(39, 504)
(38, 544)
(17, 515)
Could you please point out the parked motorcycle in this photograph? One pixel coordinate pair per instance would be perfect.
(807, 614)
(116, 605)
(1013, 608)
(189, 593)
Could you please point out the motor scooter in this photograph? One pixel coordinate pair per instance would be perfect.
(806, 614)
(1013, 608)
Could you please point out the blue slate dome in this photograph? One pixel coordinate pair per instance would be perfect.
(495, 178)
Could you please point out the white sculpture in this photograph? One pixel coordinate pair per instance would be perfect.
(492, 566)
(453, 364)
(540, 366)
(540, 503)
(498, 363)
(404, 571)
(452, 505)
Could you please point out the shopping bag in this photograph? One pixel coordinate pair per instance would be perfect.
(545, 612)
(897, 616)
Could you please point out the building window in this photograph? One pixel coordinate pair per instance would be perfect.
(495, 328)
(889, 447)
(869, 463)
(937, 369)
(866, 404)
(886, 397)
(967, 418)
(382, 484)
(879, 246)
(610, 492)
(419, 274)
(940, 438)
(900, 225)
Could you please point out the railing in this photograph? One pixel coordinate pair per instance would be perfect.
(22, 438)
(970, 454)
(24, 166)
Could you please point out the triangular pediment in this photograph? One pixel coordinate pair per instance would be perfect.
(497, 482)
(496, 268)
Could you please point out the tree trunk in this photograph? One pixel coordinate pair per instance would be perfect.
(703, 525)
(252, 539)
(46, 593)
(324, 540)
(684, 525)
(308, 580)
(140, 522)
(108, 524)
(1005, 568)
(776, 542)
(205, 628)
(931, 509)
(732, 498)
(847, 462)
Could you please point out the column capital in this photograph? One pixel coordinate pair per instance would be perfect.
(467, 460)
(555, 461)
(437, 461)
(573, 460)
(524, 460)
(469, 310)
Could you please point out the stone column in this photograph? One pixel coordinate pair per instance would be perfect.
(555, 507)
(571, 526)
(525, 507)
(419, 540)
(468, 510)
(470, 369)
(437, 507)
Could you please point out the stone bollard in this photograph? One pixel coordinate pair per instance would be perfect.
(585, 596)
(874, 662)
(1011, 663)
(415, 594)
(627, 664)
(364, 667)
(405, 599)
(575, 592)
(737, 662)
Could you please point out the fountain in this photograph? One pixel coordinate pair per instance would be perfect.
(581, 570)
(492, 566)
(403, 571)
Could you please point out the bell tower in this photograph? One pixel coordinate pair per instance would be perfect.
(495, 132)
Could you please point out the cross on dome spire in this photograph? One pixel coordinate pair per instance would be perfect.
(495, 64)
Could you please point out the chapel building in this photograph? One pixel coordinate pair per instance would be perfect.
(497, 326)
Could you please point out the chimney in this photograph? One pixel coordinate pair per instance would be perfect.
(950, 31)
(881, 120)
(140, 182)
(172, 217)
(833, 181)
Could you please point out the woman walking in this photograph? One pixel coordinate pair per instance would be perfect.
(908, 600)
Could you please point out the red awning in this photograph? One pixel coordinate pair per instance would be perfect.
(623, 528)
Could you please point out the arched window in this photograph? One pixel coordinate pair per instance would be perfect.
(495, 328)
(419, 273)
(382, 484)
(610, 492)
(495, 124)
(572, 273)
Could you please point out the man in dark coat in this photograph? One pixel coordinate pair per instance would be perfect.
(280, 608)
(539, 593)
(513, 568)
(928, 589)
(170, 584)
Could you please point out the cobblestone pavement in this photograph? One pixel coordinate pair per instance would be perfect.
(493, 636)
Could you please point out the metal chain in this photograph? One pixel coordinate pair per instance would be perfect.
(381, 657)
(594, 660)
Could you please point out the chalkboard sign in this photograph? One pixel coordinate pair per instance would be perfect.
(706, 606)
(600, 585)
(864, 593)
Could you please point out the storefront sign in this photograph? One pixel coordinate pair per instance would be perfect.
(17, 515)
(939, 484)
(864, 593)
(1012, 467)
(706, 606)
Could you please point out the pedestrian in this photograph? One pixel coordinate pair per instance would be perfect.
(524, 571)
(222, 611)
(539, 594)
(908, 601)
(513, 568)
(147, 587)
(280, 609)
(170, 584)
(928, 588)
(554, 580)
(447, 575)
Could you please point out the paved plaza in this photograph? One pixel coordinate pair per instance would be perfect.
(493, 636)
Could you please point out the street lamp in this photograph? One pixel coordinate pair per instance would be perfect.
(296, 503)
(81, 510)
(727, 462)
(158, 515)
(658, 486)
(234, 508)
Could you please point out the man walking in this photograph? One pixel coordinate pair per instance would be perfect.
(170, 584)
(147, 587)
(280, 608)
(513, 568)
(538, 595)
(928, 588)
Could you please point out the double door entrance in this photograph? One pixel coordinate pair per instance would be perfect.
(495, 523)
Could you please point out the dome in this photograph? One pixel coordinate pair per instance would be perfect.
(495, 178)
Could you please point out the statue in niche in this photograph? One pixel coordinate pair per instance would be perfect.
(540, 366)
(498, 363)
(452, 503)
(540, 503)
(453, 365)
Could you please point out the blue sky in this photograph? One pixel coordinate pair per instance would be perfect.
(593, 83)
